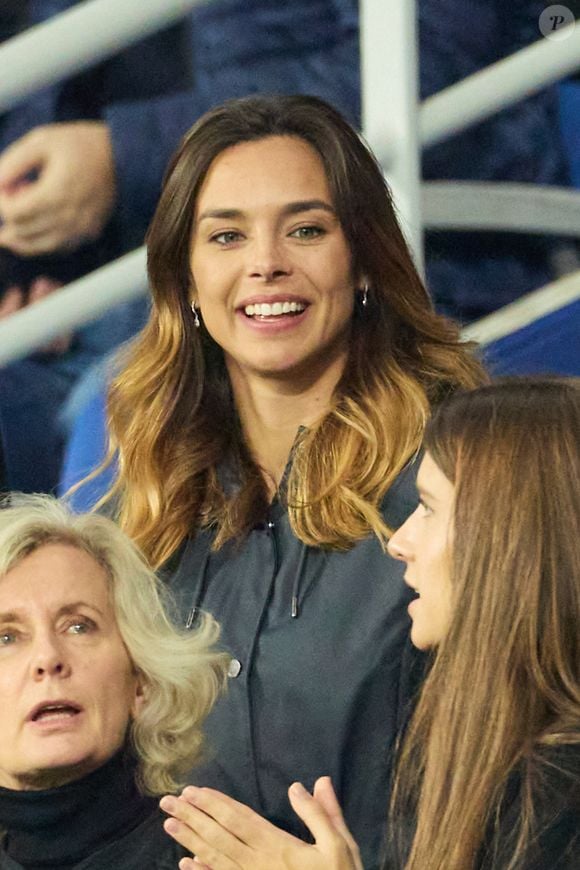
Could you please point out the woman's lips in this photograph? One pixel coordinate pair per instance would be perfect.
(49, 714)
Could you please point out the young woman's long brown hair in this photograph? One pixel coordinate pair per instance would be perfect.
(171, 412)
(505, 682)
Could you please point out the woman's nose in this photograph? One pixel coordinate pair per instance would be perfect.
(398, 546)
(49, 660)
(268, 260)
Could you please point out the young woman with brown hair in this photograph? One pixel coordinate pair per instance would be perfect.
(489, 771)
(492, 755)
(265, 425)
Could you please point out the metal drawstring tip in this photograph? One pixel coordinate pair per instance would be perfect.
(191, 617)
(294, 611)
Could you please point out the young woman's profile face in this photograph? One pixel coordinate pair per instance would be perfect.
(270, 263)
(67, 684)
(424, 542)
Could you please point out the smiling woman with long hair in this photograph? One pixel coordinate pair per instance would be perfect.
(488, 774)
(265, 425)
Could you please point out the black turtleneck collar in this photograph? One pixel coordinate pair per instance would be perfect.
(61, 826)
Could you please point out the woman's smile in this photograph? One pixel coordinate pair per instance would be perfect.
(273, 313)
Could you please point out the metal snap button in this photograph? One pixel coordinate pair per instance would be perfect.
(234, 668)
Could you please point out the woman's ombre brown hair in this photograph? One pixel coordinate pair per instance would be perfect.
(171, 412)
(505, 681)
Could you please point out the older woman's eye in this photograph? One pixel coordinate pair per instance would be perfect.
(307, 232)
(81, 626)
(7, 638)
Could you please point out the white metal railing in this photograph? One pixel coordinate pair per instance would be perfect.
(389, 114)
(75, 305)
(501, 206)
(500, 85)
(525, 310)
(77, 38)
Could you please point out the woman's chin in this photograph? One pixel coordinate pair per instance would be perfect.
(50, 770)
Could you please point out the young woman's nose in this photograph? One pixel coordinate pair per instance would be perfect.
(399, 545)
(267, 259)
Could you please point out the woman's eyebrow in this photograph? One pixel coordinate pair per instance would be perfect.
(74, 607)
(289, 209)
(425, 493)
(66, 609)
(307, 205)
(10, 616)
(224, 213)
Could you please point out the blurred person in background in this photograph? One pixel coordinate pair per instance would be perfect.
(33, 391)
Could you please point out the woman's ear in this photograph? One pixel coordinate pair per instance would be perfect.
(139, 698)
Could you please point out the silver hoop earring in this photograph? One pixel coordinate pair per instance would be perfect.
(365, 296)
(196, 320)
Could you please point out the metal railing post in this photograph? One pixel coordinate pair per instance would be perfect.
(389, 85)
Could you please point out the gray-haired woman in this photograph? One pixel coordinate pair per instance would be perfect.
(103, 698)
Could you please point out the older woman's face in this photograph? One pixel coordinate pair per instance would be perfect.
(270, 262)
(67, 685)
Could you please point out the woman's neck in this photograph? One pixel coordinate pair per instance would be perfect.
(60, 827)
(271, 411)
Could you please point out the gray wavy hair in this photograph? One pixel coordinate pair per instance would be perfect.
(182, 671)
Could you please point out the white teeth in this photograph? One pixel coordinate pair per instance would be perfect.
(265, 309)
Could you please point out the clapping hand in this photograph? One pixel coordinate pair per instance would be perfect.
(224, 834)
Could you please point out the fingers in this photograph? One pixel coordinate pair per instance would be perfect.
(45, 241)
(72, 196)
(192, 864)
(40, 289)
(337, 845)
(226, 834)
(241, 821)
(326, 796)
(11, 302)
(14, 300)
(312, 814)
(201, 835)
(18, 161)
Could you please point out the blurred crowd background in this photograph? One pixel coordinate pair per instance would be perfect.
(81, 165)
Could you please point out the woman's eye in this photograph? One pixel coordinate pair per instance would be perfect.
(228, 237)
(7, 638)
(308, 232)
(81, 626)
(426, 511)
